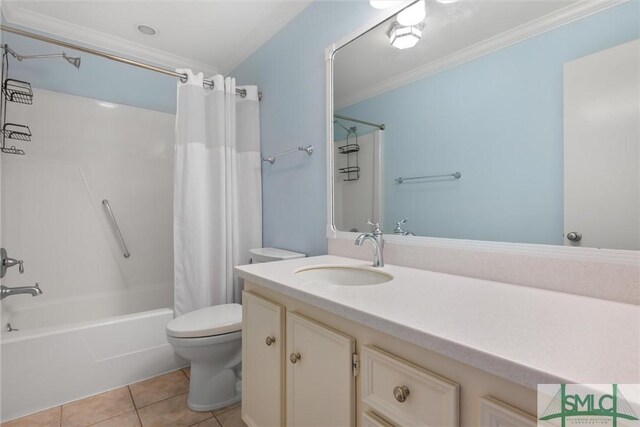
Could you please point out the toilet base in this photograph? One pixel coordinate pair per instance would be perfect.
(207, 393)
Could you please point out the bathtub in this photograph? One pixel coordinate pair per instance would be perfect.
(76, 348)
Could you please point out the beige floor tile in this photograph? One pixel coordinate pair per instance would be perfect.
(232, 418)
(47, 418)
(130, 419)
(97, 408)
(159, 388)
(211, 422)
(187, 372)
(171, 412)
(226, 408)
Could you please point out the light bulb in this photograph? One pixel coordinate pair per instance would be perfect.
(413, 15)
(382, 4)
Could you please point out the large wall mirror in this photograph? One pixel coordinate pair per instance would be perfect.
(506, 121)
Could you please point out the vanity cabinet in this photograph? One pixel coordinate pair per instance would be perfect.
(263, 348)
(303, 366)
(405, 394)
(313, 381)
(320, 380)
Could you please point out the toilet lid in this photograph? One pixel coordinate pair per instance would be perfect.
(206, 322)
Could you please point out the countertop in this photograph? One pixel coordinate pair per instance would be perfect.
(525, 335)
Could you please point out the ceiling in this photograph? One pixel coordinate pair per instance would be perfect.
(210, 36)
(453, 33)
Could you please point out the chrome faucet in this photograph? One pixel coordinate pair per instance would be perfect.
(6, 291)
(378, 243)
(6, 262)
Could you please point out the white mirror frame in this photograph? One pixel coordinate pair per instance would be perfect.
(611, 256)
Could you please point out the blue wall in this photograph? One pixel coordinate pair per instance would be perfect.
(97, 78)
(499, 121)
(290, 71)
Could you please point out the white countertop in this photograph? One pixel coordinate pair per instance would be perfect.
(526, 335)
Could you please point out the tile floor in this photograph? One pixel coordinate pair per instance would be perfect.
(156, 402)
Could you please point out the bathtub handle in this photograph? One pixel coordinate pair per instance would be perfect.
(125, 250)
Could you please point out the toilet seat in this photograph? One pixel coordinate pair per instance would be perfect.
(206, 322)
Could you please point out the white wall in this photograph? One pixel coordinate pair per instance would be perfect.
(52, 217)
(357, 201)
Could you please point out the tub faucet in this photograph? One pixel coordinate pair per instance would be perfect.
(6, 291)
(378, 242)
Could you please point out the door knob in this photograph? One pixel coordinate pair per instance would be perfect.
(294, 357)
(270, 340)
(401, 392)
(574, 236)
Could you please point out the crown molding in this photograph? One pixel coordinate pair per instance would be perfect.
(549, 22)
(17, 16)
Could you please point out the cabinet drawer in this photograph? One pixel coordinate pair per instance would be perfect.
(370, 419)
(406, 394)
(494, 413)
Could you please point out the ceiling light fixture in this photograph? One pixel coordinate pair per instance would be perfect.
(413, 15)
(446, 1)
(404, 37)
(147, 30)
(382, 4)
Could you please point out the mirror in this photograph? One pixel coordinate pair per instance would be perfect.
(501, 121)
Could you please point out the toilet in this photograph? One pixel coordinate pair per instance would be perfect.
(211, 339)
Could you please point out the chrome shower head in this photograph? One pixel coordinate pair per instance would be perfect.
(73, 61)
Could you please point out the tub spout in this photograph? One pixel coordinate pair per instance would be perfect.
(6, 291)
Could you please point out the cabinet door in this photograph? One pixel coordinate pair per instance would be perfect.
(262, 362)
(494, 413)
(320, 380)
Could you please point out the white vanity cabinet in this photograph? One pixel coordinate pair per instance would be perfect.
(318, 380)
(405, 394)
(263, 348)
(321, 369)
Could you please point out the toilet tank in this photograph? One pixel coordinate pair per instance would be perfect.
(272, 254)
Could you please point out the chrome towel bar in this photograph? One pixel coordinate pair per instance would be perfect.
(272, 159)
(125, 250)
(455, 175)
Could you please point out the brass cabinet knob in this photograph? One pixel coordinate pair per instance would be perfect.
(294, 357)
(270, 340)
(401, 392)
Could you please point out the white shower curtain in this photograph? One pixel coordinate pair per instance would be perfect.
(217, 190)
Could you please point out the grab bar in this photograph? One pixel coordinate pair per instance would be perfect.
(455, 175)
(126, 254)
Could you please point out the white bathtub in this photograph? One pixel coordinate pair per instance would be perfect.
(56, 358)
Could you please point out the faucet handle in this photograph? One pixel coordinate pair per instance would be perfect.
(375, 227)
(398, 229)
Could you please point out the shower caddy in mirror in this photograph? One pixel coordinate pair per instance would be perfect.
(350, 149)
(17, 91)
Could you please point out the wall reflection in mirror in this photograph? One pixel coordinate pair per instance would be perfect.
(509, 121)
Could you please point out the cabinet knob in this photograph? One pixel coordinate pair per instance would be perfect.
(401, 392)
(574, 236)
(294, 357)
(270, 340)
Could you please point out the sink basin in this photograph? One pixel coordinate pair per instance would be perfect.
(343, 275)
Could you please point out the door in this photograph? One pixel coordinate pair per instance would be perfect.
(262, 362)
(601, 148)
(320, 380)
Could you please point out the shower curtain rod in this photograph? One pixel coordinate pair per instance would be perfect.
(182, 77)
(351, 119)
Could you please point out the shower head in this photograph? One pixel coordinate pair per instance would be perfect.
(73, 61)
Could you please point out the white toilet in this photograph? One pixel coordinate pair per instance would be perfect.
(211, 339)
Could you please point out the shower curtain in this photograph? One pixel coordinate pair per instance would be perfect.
(217, 190)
